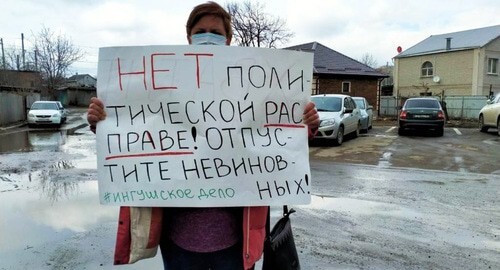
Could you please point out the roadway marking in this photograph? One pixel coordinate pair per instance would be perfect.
(390, 129)
(457, 131)
(492, 142)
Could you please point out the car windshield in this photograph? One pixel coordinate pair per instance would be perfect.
(327, 104)
(44, 106)
(422, 103)
(360, 103)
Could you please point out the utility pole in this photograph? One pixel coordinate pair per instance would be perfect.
(3, 54)
(22, 44)
(36, 59)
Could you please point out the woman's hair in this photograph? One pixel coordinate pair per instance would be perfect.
(209, 8)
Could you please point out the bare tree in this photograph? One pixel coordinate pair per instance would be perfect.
(254, 28)
(12, 61)
(369, 60)
(53, 55)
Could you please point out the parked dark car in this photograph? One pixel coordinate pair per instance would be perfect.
(422, 113)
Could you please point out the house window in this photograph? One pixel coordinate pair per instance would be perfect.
(346, 87)
(492, 65)
(315, 86)
(427, 69)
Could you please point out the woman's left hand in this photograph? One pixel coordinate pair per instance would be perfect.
(311, 117)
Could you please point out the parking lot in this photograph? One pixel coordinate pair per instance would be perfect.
(379, 201)
(460, 149)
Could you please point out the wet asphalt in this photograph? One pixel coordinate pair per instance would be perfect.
(379, 201)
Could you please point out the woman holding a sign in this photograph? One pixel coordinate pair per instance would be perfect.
(195, 238)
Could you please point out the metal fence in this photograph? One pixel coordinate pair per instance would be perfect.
(13, 106)
(458, 107)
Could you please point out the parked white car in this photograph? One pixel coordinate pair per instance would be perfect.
(366, 111)
(489, 115)
(45, 112)
(338, 116)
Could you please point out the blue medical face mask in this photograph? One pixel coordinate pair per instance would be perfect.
(208, 39)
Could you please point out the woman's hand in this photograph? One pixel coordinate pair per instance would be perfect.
(95, 113)
(311, 117)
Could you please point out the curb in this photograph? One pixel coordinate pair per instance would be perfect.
(75, 128)
(4, 128)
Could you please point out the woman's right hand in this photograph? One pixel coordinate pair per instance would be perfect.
(95, 113)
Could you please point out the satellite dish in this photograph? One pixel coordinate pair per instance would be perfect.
(436, 79)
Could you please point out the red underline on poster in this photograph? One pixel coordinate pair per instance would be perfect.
(284, 125)
(151, 155)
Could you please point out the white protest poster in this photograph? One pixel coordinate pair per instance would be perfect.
(203, 126)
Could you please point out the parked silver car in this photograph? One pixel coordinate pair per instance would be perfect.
(338, 116)
(489, 116)
(366, 111)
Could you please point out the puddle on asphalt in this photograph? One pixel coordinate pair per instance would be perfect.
(385, 160)
(28, 141)
(50, 198)
(51, 181)
(30, 218)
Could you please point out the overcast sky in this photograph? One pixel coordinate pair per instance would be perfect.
(353, 28)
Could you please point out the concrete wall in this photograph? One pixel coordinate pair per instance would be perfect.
(20, 79)
(76, 96)
(13, 106)
(80, 98)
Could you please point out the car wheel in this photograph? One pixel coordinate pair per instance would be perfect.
(401, 131)
(358, 130)
(370, 124)
(498, 126)
(440, 132)
(482, 128)
(340, 136)
(365, 130)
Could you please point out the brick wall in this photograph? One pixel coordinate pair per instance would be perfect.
(359, 87)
